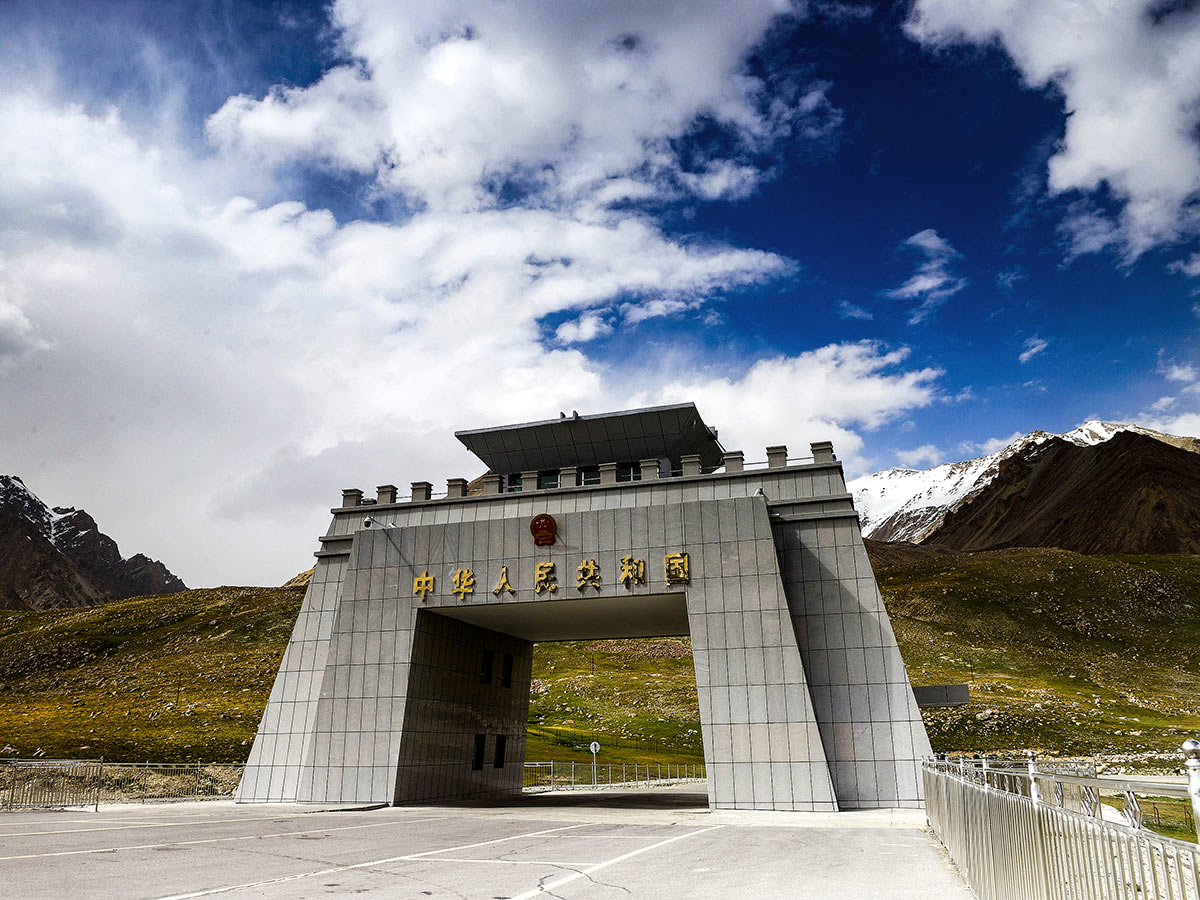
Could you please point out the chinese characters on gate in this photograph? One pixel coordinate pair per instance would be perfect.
(676, 570)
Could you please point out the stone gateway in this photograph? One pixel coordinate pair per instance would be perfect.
(407, 675)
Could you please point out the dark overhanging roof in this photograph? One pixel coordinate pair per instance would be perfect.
(574, 440)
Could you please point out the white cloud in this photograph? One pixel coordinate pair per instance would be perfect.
(18, 338)
(934, 280)
(831, 393)
(1189, 266)
(993, 444)
(926, 454)
(1128, 74)
(848, 310)
(1010, 277)
(1162, 404)
(228, 363)
(587, 327)
(561, 101)
(1181, 372)
(1031, 348)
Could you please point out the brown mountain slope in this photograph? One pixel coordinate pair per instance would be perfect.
(35, 575)
(60, 559)
(1130, 494)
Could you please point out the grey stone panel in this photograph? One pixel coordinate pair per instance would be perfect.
(273, 768)
(870, 726)
(448, 705)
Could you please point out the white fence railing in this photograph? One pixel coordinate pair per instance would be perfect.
(1019, 833)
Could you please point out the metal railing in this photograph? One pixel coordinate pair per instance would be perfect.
(49, 783)
(1018, 832)
(145, 782)
(551, 776)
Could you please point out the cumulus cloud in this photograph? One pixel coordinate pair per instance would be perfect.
(459, 105)
(587, 327)
(18, 337)
(991, 445)
(1177, 412)
(926, 454)
(1128, 74)
(831, 393)
(203, 358)
(1189, 266)
(934, 280)
(1185, 373)
(1031, 348)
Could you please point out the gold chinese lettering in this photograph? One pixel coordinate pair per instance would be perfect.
(423, 584)
(678, 568)
(503, 585)
(633, 571)
(544, 578)
(589, 574)
(464, 583)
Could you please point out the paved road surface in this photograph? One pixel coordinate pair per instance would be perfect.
(577, 846)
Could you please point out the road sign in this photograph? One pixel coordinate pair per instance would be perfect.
(595, 747)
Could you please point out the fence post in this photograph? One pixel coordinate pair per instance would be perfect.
(99, 782)
(1191, 753)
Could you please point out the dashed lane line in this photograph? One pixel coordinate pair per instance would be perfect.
(567, 879)
(366, 865)
(240, 837)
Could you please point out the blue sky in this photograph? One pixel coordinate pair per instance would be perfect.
(252, 253)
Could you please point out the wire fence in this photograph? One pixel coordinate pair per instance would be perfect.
(550, 776)
(1020, 833)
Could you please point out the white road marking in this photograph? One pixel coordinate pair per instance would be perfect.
(158, 825)
(240, 837)
(509, 862)
(567, 879)
(365, 865)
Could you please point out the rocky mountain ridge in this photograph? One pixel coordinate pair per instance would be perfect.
(58, 557)
(912, 504)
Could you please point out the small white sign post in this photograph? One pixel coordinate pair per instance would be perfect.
(595, 748)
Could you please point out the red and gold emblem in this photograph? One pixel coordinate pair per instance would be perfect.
(543, 528)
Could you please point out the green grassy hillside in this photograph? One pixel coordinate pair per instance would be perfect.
(175, 677)
(637, 698)
(1065, 653)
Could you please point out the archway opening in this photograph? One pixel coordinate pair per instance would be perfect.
(613, 672)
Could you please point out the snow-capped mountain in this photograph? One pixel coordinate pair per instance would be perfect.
(909, 504)
(51, 557)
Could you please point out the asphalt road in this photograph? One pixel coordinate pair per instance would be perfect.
(578, 846)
